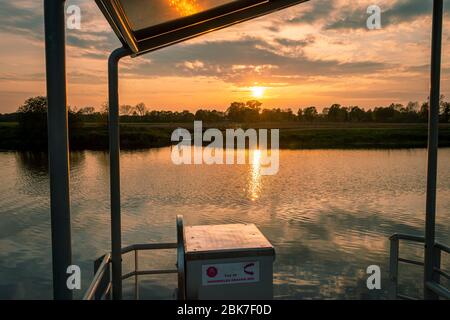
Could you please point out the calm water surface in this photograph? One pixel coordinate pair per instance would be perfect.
(328, 213)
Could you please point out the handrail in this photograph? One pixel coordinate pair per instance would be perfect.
(442, 247)
(146, 246)
(434, 285)
(409, 237)
(417, 263)
(442, 273)
(97, 277)
(149, 246)
(181, 292)
(106, 261)
(148, 272)
(438, 289)
(100, 282)
(405, 297)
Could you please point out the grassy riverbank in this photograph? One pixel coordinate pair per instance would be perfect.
(293, 135)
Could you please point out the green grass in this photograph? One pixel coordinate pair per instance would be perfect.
(400, 137)
(292, 135)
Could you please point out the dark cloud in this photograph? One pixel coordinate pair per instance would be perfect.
(38, 76)
(425, 69)
(96, 45)
(295, 43)
(239, 61)
(334, 15)
(400, 12)
(28, 20)
(22, 20)
(313, 11)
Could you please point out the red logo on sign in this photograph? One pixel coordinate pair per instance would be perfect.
(211, 272)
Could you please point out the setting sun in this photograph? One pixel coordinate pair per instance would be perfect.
(185, 7)
(257, 92)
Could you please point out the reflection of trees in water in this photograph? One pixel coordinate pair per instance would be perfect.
(102, 158)
(77, 159)
(32, 171)
(36, 162)
(327, 257)
(32, 162)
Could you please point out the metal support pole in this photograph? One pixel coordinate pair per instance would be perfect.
(114, 167)
(433, 127)
(136, 280)
(393, 267)
(58, 145)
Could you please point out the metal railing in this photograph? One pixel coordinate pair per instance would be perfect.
(100, 287)
(434, 285)
(141, 247)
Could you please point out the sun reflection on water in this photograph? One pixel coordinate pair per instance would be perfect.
(254, 186)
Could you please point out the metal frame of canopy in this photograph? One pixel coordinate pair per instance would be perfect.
(171, 32)
(136, 42)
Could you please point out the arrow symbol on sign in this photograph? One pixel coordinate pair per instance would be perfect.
(249, 266)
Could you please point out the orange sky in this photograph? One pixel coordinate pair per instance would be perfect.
(318, 53)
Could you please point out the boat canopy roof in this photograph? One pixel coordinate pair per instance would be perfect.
(147, 25)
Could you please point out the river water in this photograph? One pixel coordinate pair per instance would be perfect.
(328, 213)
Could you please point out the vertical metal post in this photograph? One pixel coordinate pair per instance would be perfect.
(433, 127)
(436, 264)
(136, 280)
(114, 167)
(393, 267)
(58, 145)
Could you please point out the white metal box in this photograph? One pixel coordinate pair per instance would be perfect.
(231, 261)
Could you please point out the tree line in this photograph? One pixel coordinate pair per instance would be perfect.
(34, 109)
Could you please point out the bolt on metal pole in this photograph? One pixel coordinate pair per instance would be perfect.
(433, 128)
(58, 145)
(114, 167)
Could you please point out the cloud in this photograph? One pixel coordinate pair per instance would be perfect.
(402, 11)
(306, 49)
(295, 42)
(23, 17)
(313, 11)
(26, 18)
(348, 15)
(245, 60)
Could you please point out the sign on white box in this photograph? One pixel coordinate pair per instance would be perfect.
(230, 273)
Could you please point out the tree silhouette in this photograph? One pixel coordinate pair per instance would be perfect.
(32, 114)
(310, 114)
(34, 105)
(141, 109)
